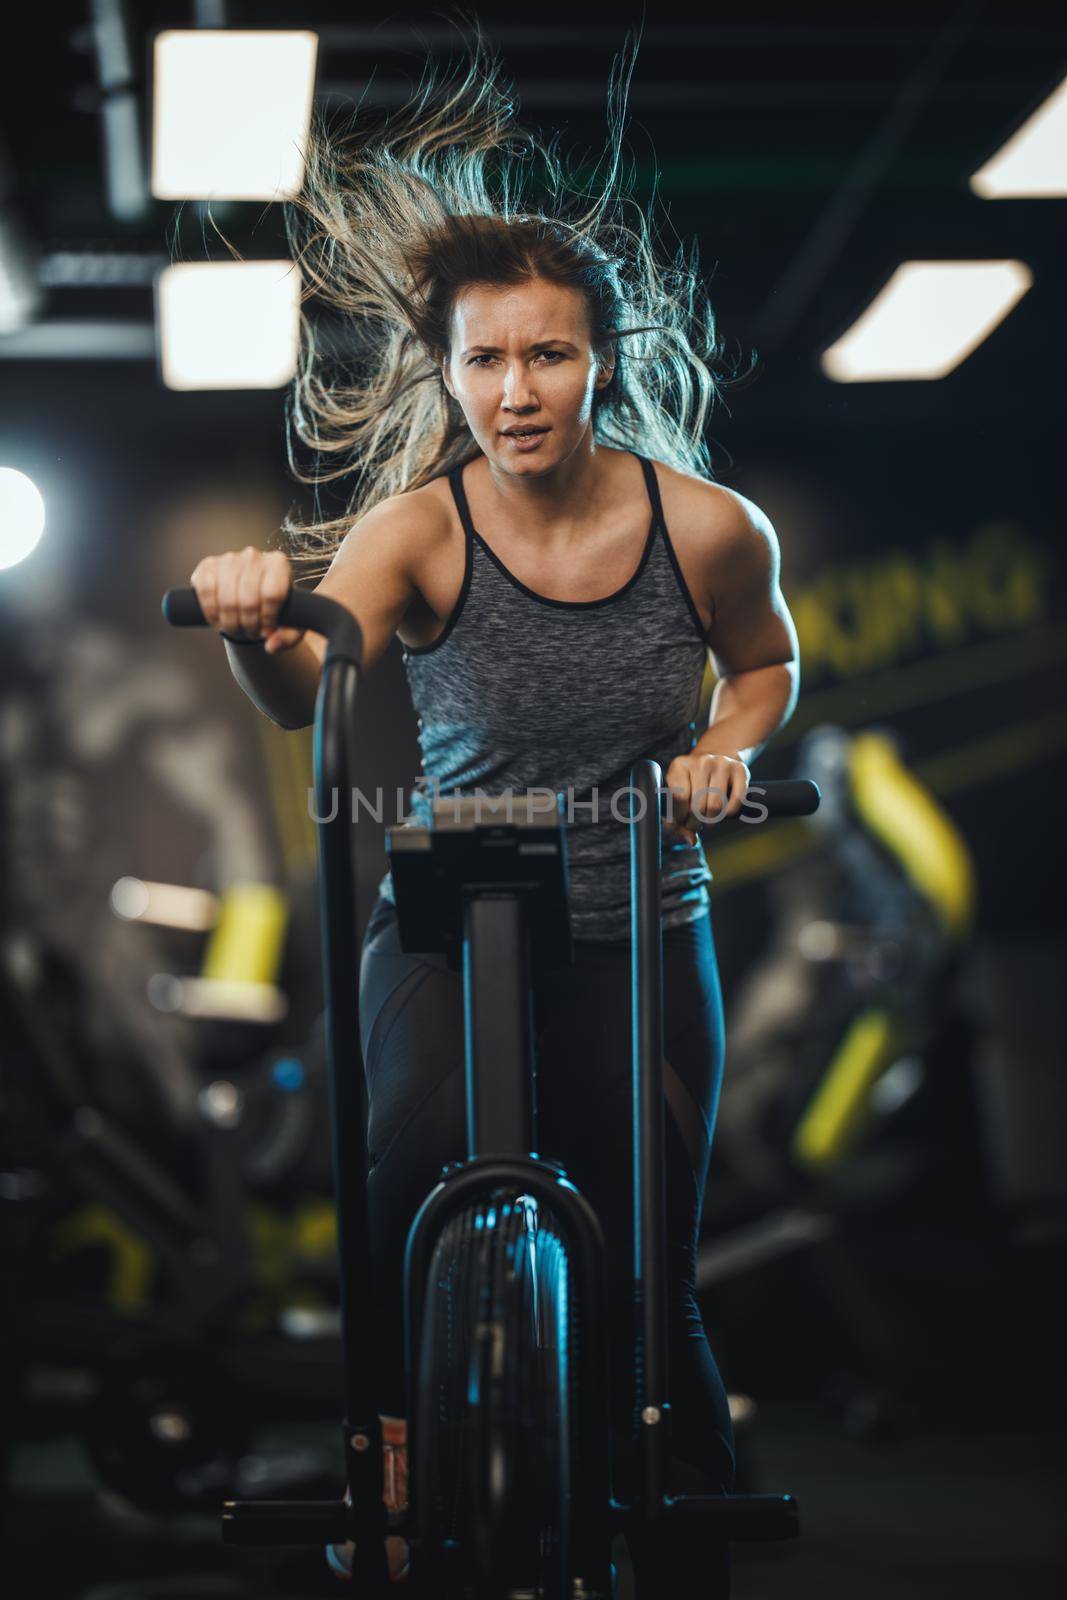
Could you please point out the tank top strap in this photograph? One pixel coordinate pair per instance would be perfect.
(652, 485)
(459, 495)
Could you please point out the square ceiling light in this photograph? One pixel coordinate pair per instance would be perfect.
(230, 113)
(927, 319)
(228, 324)
(1032, 164)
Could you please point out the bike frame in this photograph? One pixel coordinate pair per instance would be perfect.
(495, 964)
(362, 1515)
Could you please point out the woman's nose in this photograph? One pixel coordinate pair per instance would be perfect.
(517, 389)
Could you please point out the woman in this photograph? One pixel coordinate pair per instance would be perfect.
(556, 594)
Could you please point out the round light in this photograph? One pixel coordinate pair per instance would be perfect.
(21, 516)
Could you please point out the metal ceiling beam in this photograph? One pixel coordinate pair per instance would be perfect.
(581, 93)
(120, 112)
(100, 269)
(87, 339)
(609, 35)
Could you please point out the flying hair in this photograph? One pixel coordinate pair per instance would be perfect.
(398, 215)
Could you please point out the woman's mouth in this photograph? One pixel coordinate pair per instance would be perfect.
(527, 439)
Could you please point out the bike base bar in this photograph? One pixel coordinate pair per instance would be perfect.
(736, 1517)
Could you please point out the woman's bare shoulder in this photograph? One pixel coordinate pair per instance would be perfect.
(700, 502)
(397, 534)
(413, 514)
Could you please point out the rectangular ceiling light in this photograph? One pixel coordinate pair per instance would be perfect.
(228, 324)
(1033, 162)
(231, 111)
(927, 319)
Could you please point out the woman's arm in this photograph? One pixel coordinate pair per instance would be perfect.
(372, 575)
(753, 639)
(753, 645)
(282, 686)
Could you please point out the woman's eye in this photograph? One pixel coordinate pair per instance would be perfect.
(485, 356)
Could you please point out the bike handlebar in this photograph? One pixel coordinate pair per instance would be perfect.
(777, 797)
(316, 613)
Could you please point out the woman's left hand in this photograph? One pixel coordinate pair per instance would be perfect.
(704, 788)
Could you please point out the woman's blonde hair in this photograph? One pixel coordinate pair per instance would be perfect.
(392, 224)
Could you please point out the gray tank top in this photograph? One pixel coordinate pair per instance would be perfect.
(521, 692)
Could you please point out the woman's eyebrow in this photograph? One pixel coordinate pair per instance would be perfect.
(495, 349)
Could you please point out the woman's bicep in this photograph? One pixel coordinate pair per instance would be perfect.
(751, 625)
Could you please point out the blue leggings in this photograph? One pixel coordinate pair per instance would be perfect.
(411, 1013)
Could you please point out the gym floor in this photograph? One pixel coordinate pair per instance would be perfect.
(932, 1517)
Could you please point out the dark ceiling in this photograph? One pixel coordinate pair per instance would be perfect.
(809, 149)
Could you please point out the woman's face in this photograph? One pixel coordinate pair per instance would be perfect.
(522, 356)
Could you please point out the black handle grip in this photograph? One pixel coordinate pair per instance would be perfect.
(315, 612)
(181, 608)
(784, 797)
(767, 797)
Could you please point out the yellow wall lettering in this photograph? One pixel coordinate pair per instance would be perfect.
(858, 617)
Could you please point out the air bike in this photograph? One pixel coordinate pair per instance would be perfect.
(509, 1443)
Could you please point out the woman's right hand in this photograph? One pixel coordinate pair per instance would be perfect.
(242, 591)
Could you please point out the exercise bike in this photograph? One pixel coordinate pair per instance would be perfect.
(510, 1483)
